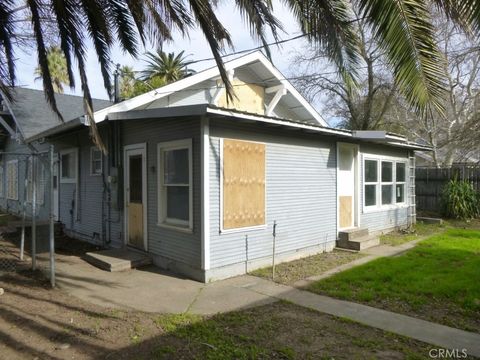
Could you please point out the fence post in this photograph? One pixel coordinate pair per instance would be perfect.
(52, 225)
(34, 211)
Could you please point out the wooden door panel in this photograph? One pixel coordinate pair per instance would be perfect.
(346, 210)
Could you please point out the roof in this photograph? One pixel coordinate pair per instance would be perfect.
(201, 87)
(386, 138)
(33, 115)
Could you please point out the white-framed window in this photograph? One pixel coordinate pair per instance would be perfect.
(68, 166)
(2, 182)
(96, 161)
(12, 180)
(400, 182)
(174, 163)
(40, 181)
(384, 182)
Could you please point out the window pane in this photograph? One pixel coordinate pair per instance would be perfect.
(400, 194)
(371, 171)
(177, 202)
(176, 167)
(370, 195)
(66, 160)
(136, 179)
(400, 172)
(387, 194)
(96, 154)
(387, 171)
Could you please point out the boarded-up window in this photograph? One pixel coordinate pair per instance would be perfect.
(243, 184)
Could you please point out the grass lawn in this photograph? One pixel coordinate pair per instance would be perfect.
(396, 238)
(290, 272)
(437, 280)
(38, 322)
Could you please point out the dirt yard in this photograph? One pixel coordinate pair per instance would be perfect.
(41, 323)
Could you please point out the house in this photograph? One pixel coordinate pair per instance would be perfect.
(205, 185)
(20, 121)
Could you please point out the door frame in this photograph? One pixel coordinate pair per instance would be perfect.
(135, 149)
(356, 190)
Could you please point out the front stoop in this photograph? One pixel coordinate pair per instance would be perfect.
(117, 259)
(357, 239)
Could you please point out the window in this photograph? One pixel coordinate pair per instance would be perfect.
(400, 183)
(387, 182)
(175, 183)
(40, 181)
(95, 161)
(68, 166)
(12, 180)
(371, 182)
(384, 182)
(1, 180)
(243, 186)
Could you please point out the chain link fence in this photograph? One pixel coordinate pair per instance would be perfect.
(28, 185)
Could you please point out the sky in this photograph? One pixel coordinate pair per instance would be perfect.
(195, 46)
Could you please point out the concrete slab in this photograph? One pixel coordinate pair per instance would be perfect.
(118, 259)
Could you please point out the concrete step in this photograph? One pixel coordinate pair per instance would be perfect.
(359, 244)
(352, 234)
(117, 259)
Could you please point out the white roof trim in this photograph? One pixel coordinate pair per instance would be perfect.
(211, 73)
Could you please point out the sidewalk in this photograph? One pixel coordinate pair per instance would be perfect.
(414, 328)
(372, 254)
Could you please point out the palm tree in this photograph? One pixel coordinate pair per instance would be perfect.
(169, 66)
(403, 29)
(58, 69)
(127, 81)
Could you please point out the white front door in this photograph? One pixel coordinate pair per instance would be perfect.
(346, 185)
(135, 159)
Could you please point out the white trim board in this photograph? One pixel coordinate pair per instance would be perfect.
(212, 73)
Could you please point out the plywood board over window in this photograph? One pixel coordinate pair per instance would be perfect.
(248, 97)
(243, 184)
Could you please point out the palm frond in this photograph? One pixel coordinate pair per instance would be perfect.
(405, 32)
(34, 7)
(328, 25)
(216, 35)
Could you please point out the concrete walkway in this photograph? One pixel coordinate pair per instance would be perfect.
(152, 290)
(371, 254)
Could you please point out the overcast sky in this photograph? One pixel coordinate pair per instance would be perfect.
(196, 47)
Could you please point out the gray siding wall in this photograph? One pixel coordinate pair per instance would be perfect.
(379, 220)
(172, 244)
(87, 220)
(15, 206)
(300, 195)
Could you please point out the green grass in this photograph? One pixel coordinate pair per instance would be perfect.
(420, 230)
(275, 331)
(438, 279)
(290, 272)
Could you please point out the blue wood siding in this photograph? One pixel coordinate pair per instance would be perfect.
(173, 244)
(300, 195)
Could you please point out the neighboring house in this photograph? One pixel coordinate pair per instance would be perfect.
(20, 121)
(198, 182)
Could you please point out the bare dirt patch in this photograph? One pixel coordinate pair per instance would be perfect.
(289, 273)
(42, 323)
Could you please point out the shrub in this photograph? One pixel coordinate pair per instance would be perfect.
(460, 200)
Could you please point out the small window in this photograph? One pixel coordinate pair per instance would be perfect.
(371, 182)
(40, 179)
(175, 183)
(12, 180)
(68, 166)
(96, 161)
(400, 183)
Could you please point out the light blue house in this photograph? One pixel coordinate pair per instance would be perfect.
(201, 184)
